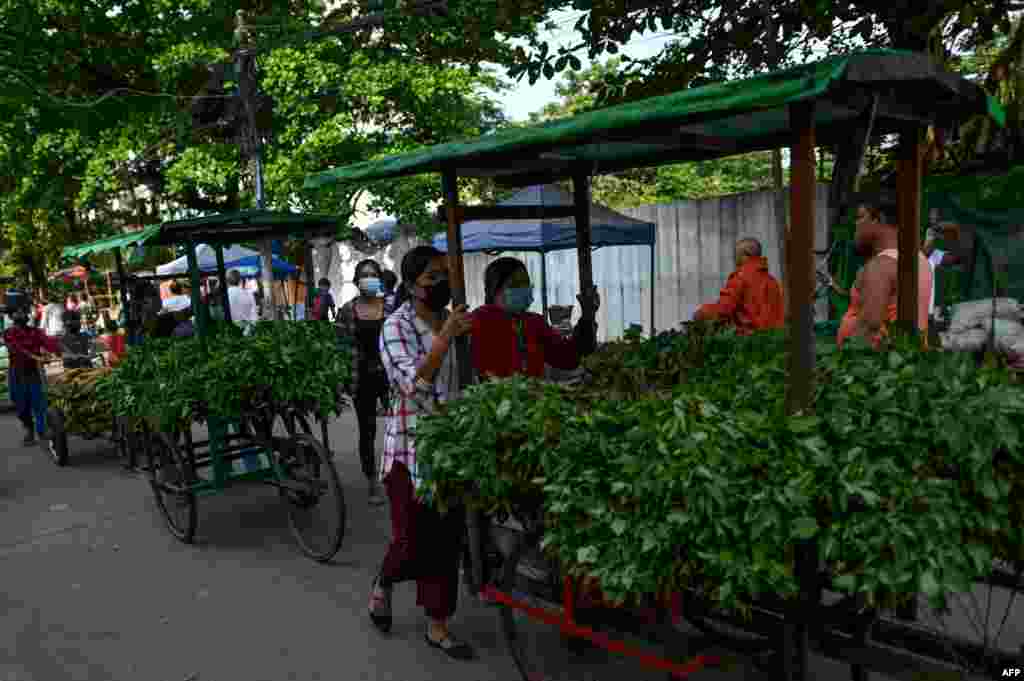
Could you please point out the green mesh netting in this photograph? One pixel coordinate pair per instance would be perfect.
(990, 210)
(992, 207)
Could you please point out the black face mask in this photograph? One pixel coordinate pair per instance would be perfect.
(437, 296)
(21, 319)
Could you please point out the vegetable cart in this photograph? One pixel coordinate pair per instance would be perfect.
(267, 441)
(73, 409)
(842, 102)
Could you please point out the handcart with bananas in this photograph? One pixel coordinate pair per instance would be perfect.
(75, 410)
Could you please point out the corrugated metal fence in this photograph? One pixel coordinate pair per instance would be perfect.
(693, 258)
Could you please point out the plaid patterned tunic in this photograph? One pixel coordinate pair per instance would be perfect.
(405, 342)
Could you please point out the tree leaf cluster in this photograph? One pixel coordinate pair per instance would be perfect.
(174, 382)
(907, 472)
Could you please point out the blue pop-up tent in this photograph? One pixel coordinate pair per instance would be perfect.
(607, 228)
(251, 266)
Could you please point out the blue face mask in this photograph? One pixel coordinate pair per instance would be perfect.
(518, 299)
(371, 286)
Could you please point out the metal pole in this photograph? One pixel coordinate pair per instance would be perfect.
(198, 318)
(544, 283)
(654, 280)
(129, 322)
(223, 277)
(246, 58)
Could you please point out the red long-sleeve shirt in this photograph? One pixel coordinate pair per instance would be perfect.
(751, 300)
(22, 343)
(495, 344)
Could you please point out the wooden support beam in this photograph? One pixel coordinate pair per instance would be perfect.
(800, 258)
(909, 168)
(307, 266)
(471, 213)
(456, 270)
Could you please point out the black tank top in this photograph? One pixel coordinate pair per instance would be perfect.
(368, 338)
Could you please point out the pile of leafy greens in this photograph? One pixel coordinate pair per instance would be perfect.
(677, 463)
(180, 380)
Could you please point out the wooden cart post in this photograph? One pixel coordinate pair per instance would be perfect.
(908, 198)
(584, 253)
(222, 276)
(456, 269)
(800, 257)
(307, 266)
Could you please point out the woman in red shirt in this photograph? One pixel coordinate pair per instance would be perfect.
(507, 340)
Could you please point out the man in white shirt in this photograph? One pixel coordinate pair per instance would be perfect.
(53, 318)
(241, 301)
(950, 233)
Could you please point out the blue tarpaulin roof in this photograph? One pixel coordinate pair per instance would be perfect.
(251, 266)
(608, 228)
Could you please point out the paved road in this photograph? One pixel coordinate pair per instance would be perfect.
(95, 589)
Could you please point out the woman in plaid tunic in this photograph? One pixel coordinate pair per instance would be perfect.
(416, 348)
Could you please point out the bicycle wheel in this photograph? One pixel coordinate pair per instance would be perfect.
(978, 632)
(540, 651)
(171, 478)
(313, 493)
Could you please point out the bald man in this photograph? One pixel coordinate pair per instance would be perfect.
(752, 298)
(873, 304)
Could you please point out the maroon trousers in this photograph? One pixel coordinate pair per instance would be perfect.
(425, 546)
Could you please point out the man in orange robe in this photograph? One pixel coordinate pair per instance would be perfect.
(752, 298)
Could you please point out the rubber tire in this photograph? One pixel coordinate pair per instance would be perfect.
(510, 584)
(161, 447)
(325, 467)
(58, 444)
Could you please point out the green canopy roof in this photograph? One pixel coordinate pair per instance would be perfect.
(702, 123)
(111, 242)
(247, 225)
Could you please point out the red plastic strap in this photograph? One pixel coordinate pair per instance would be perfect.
(570, 628)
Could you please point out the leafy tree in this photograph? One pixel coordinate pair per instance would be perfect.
(725, 38)
(126, 88)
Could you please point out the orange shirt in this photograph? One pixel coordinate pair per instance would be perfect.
(924, 285)
(751, 300)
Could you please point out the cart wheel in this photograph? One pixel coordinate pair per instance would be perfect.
(316, 502)
(58, 441)
(757, 638)
(171, 479)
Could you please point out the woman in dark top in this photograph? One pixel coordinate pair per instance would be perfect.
(361, 320)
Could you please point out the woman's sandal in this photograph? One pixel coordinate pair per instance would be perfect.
(450, 647)
(380, 607)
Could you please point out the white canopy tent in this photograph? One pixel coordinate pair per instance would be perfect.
(207, 259)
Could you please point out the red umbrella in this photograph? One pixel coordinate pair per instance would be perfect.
(76, 272)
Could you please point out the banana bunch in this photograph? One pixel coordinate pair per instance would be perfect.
(82, 377)
(75, 394)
